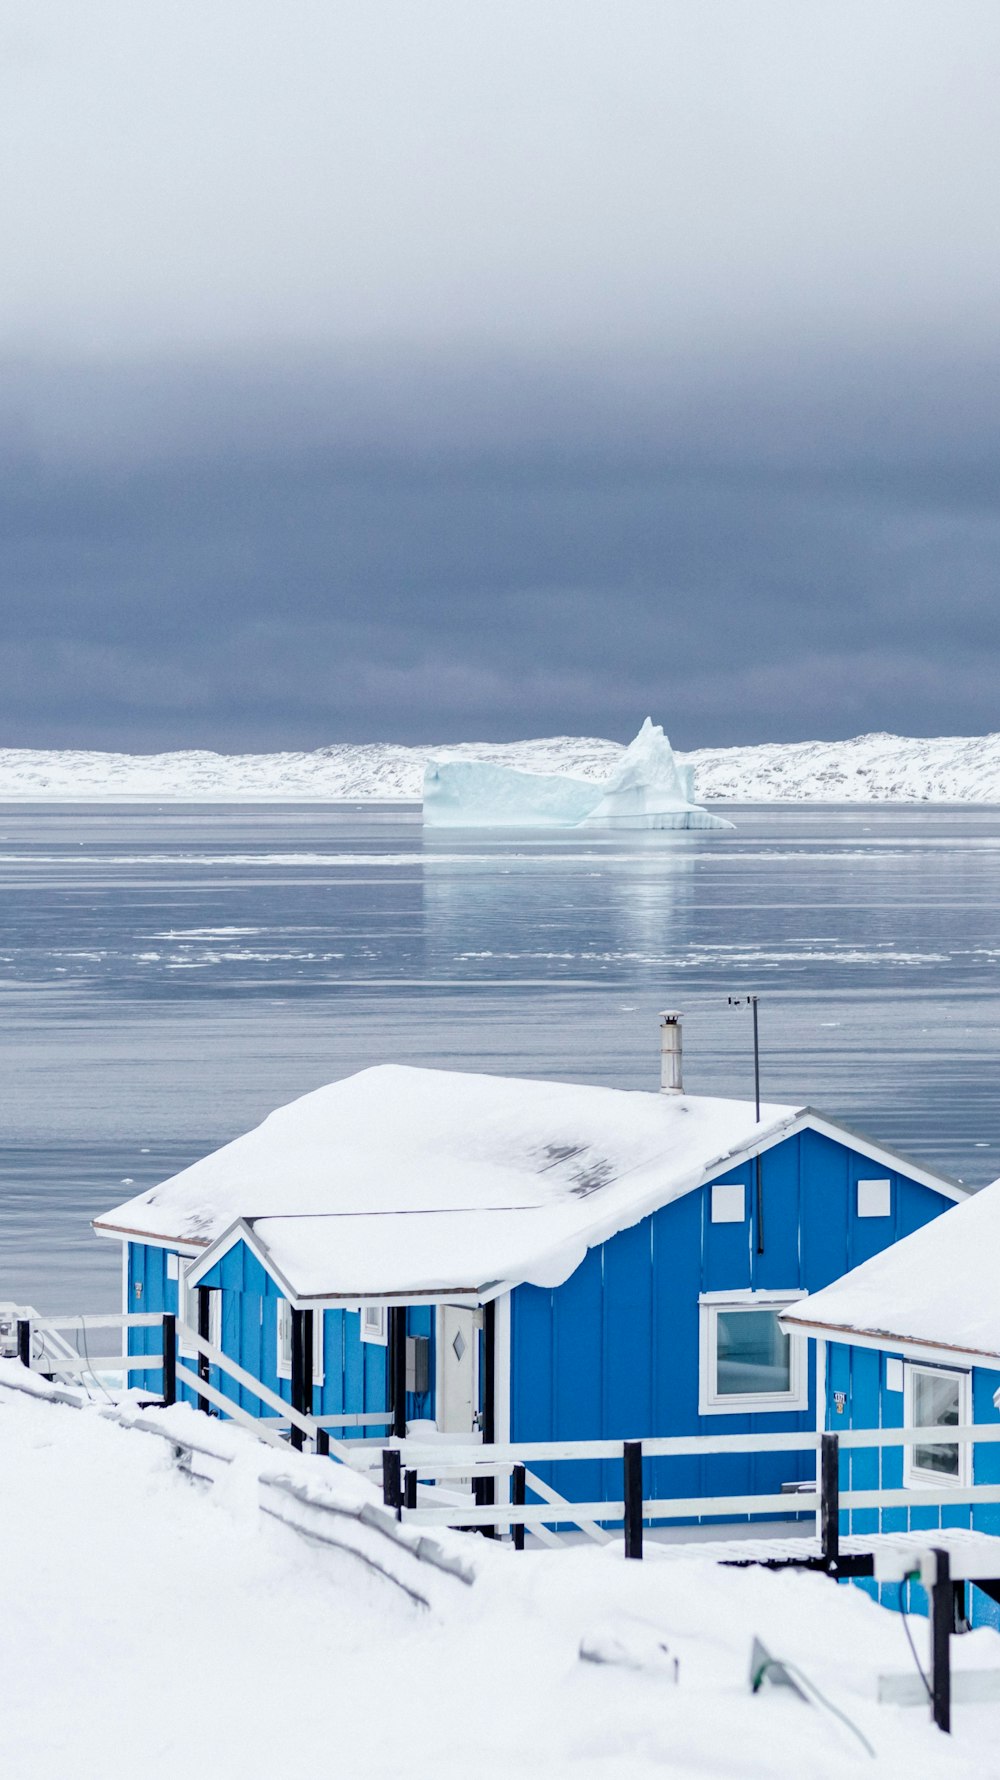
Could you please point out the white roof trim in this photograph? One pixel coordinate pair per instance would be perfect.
(118, 1233)
(877, 1152)
(910, 1347)
(242, 1231)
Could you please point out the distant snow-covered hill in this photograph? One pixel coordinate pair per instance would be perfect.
(870, 768)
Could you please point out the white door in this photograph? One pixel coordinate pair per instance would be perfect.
(457, 1369)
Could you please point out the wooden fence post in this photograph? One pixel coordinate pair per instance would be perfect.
(829, 1510)
(322, 1443)
(410, 1489)
(204, 1330)
(517, 1501)
(169, 1359)
(24, 1341)
(942, 1620)
(392, 1478)
(632, 1459)
(296, 1436)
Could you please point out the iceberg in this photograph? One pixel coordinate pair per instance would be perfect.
(647, 790)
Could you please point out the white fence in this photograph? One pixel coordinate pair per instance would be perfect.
(416, 1475)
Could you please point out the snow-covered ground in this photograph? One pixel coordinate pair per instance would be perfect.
(153, 1626)
(880, 768)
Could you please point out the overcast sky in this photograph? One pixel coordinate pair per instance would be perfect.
(441, 369)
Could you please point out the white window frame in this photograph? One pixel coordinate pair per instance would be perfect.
(283, 1328)
(378, 1332)
(187, 1311)
(710, 1401)
(914, 1475)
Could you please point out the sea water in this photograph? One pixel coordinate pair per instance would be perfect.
(169, 975)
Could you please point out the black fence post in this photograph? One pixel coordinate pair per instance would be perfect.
(488, 1486)
(397, 1370)
(517, 1486)
(322, 1443)
(483, 1494)
(169, 1359)
(24, 1341)
(942, 1619)
(829, 1509)
(296, 1436)
(392, 1478)
(632, 1456)
(410, 1489)
(204, 1321)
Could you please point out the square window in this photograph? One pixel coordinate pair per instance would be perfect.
(874, 1198)
(748, 1362)
(893, 1375)
(729, 1203)
(373, 1324)
(936, 1398)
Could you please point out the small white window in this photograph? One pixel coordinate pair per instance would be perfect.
(188, 1314)
(373, 1323)
(893, 1375)
(729, 1203)
(285, 1342)
(874, 1198)
(173, 1265)
(935, 1398)
(748, 1363)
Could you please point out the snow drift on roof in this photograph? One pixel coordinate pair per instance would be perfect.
(494, 1173)
(936, 1287)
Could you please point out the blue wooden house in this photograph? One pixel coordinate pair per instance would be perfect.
(536, 1260)
(911, 1339)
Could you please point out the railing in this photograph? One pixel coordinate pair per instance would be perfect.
(43, 1348)
(487, 1465)
(407, 1463)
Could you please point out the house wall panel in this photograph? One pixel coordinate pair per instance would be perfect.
(641, 1289)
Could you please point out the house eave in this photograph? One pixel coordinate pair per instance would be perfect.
(914, 1347)
(185, 1245)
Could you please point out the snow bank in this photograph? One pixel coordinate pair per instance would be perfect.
(150, 1626)
(870, 768)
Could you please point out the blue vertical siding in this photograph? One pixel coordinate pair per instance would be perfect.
(148, 1290)
(355, 1376)
(613, 1353)
(862, 1374)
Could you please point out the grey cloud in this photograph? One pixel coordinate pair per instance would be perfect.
(270, 585)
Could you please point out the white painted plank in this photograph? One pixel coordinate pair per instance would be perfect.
(146, 1319)
(487, 1515)
(684, 1507)
(263, 1392)
(256, 1424)
(944, 1497)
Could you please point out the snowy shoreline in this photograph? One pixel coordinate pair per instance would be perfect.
(866, 769)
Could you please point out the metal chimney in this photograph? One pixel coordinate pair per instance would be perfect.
(671, 1080)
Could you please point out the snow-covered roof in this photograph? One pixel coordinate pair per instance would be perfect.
(407, 1181)
(937, 1288)
(412, 1179)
